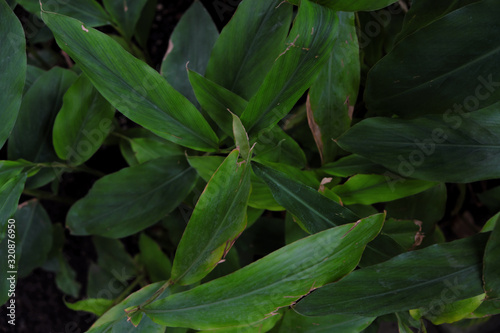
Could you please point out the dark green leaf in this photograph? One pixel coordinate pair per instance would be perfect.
(217, 220)
(491, 267)
(155, 261)
(274, 145)
(132, 199)
(112, 257)
(351, 6)
(334, 93)
(352, 165)
(125, 13)
(33, 236)
(314, 210)
(102, 284)
(436, 70)
(293, 322)
(10, 192)
(241, 138)
(432, 147)
(255, 36)
(258, 290)
(130, 85)
(32, 74)
(309, 45)
(205, 165)
(431, 277)
(147, 149)
(191, 42)
(83, 122)
(12, 67)
(36, 117)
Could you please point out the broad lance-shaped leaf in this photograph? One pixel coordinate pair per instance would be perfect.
(132, 199)
(432, 147)
(255, 36)
(131, 86)
(352, 165)
(241, 138)
(12, 67)
(313, 209)
(83, 122)
(432, 277)
(436, 70)
(370, 189)
(334, 93)
(258, 290)
(191, 42)
(125, 13)
(308, 48)
(491, 267)
(351, 5)
(10, 192)
(217, 220)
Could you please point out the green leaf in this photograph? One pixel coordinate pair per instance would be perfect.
(491, 223)
(36, 117)
(351, 6)
(258, 290)
(33, 236)
(432, 277)
(130, 85)
(334, 93)
(432, 147)
(352, 165)
(125, 13)
(241, 138)
(10, 192)
(87, 11)
(147, 149)
(155, 261)
(450, 313)
(112, 257)
(310, 43)
(314, 210)
(115, 319)
(217, 220)
(12, 67)
(255, 36)
(83, 122)
(103, 284)
(407, 233)
(32, 74)
(205, 165)
(259, 327)
(191, 42)
(424, 12)
(370, 189)
(436, 70)
(132, 199)
(97, 306)
(491, 267)
(293, 322)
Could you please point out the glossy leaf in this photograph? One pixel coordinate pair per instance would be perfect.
(132, 199)
(36, 117)
(255, 36)
(217, 220)
(125, 13)
(334, 93)
(434, 276)
(293, 322)
(83, 122)
(491, 267)
(309, 45)
(351, 6)
(431, 147)
(370, 189)
(131, 85)
(115, 319)
(258, 290)
(33, 236)
(12, 67)
(436, 70)
(155, 261)
(190, 45)
(314, 210)
(147, 149)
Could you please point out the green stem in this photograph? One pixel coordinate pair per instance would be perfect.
(42, 195)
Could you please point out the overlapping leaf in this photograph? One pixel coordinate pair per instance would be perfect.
(350, 5)
(125, 13)
(131, 85)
